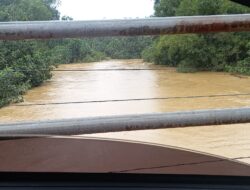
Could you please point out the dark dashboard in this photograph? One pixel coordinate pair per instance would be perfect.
(119, 181)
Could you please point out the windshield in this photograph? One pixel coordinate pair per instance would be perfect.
(117, 84)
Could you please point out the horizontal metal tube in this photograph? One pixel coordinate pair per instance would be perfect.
(128, 123)
(132, 27)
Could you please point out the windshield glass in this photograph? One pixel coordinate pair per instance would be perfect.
(82, 79)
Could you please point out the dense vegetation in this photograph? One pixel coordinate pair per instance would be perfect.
(214, 51)
(96, 49)
(26, 64)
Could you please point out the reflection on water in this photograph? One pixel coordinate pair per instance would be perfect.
(71, 86)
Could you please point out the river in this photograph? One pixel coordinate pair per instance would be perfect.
(75, 87)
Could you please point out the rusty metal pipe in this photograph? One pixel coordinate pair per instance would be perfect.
(128, 123)
(132, 27)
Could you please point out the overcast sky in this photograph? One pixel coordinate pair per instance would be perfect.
(106, 9)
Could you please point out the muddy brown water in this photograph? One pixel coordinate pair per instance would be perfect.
(231, 141)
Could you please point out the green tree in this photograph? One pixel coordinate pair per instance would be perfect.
(166, 7)
(24, 64)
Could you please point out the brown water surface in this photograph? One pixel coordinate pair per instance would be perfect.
(70, 86)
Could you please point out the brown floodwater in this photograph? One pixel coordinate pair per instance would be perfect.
(232, 141)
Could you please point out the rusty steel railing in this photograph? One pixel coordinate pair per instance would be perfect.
(128, 122)
(151, 26)
(133, 27)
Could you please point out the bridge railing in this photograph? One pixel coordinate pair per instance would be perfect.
(132, 27)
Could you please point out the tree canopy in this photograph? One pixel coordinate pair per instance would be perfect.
(24, 64)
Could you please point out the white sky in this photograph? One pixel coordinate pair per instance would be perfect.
(106, 9)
